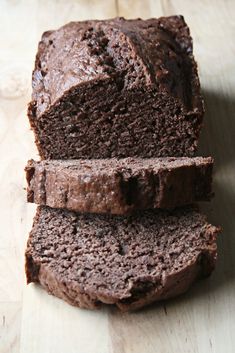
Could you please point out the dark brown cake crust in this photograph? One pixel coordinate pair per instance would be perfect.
(131, 261)
(116, 88)
(119, 186)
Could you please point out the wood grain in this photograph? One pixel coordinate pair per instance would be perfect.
(202, 320)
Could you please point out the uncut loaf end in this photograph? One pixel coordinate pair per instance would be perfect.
(116, 88)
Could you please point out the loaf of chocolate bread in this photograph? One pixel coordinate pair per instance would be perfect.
(129, 261)
(119, 186)
(116, 88)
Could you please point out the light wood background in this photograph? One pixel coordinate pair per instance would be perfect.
(31, 321)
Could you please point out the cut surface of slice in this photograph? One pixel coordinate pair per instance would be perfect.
(129, 261)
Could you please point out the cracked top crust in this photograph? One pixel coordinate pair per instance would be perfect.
(134, 54)
(119, 186)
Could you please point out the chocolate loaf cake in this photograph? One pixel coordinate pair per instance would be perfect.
(130, 261)
(119, 186)
(116, 88)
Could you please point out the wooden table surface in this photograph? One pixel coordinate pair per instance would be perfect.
(31, 321)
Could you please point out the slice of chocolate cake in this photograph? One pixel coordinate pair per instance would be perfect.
(130, 261)
(119, 186)
(116, 88)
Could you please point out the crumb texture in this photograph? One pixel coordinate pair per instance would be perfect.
(128, 261)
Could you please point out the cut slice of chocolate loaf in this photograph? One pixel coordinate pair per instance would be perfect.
(116, 88)
(128, 261)
(119, 186)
